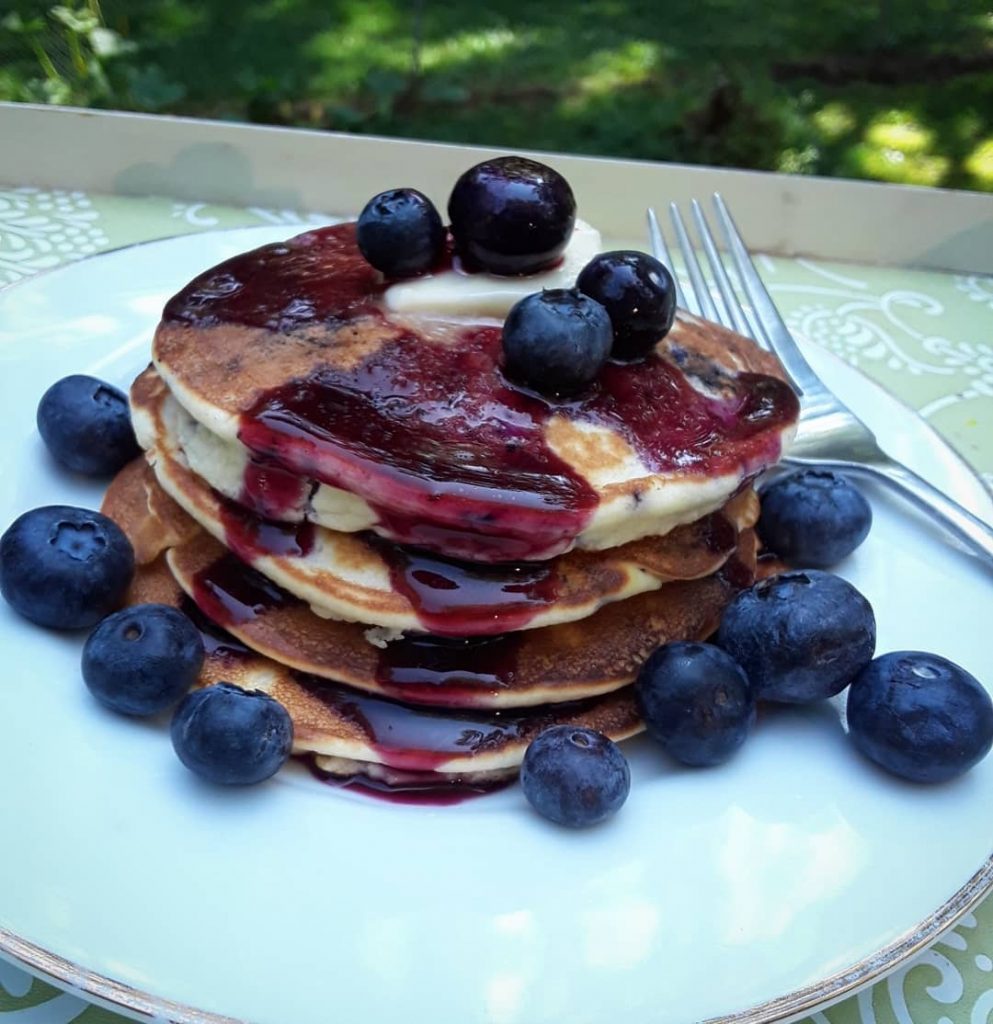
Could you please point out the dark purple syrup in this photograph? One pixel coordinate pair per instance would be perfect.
(421, 739)
(448, 670)
(250, 537)
(232, 593)
(435, 433)
(430, 789)
(271, 491)
(454, 598)
(215, 639)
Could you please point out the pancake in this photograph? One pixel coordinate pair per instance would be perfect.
(539, 666)
(358, 577)
(357, 417)
(350, 732)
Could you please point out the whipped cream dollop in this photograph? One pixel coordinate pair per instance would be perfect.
(456, 293)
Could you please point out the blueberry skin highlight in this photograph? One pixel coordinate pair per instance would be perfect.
(65, 567)
(639, 295)
(556, 341)
(400, 233)
(86, 425)
(799, 636)
(813, 518)
(920, 716)
(511, 216)
(141, 660)
(696, 702)
(231, 736)
(575, 777)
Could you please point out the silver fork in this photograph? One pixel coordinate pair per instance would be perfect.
(830, 435)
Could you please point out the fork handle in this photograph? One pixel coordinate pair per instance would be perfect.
(975, 534)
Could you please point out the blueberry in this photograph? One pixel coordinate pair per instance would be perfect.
(574, 776)
(232, 736)
(141, 660)
(86, 425)
(920, 716)
(799, 636)
(400, 233)
(696, 702)
(639, 295)
(556, 341)
(64, 567)
(814, 518)
(511, 216)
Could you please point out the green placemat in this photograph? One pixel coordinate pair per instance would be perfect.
(924, 336)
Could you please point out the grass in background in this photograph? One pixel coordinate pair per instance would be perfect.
(897, 90)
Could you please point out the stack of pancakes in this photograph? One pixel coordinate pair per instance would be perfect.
(426, 564)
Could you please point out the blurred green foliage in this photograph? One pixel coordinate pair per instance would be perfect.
(898, 90)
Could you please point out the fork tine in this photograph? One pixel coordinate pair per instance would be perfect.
(705, 303)
(661, 252)
(780, 340)
(730, 300)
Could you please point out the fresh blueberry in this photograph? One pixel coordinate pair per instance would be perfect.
(64, 567)
(575, 777)
(86, 425)
(696, 702)
(920, 716)
(639, 295)
(511, 216)
(400, 233)
(232, 736)
(556, 341)
(141, 660)
(813, 518)
(799, 636)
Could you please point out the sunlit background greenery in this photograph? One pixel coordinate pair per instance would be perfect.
(898, 90)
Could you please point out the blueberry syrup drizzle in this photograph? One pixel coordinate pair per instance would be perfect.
(250, 537)
(422, 739)
(419, 667)
(449, 670)
(216, 640)
(454, 598)
(431, 789)
(271, 491)
(435, 434)
(231, 593)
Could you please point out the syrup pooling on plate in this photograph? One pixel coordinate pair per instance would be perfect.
(430, 431)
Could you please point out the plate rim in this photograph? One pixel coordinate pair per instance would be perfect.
(135, 1002)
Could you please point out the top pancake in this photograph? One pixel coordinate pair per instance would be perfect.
(289, 351)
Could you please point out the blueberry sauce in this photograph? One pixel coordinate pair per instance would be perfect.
(231, 593)
(271, 491)
(430, 789)
(423, 739)
(454, 598)
(436, 669)
(251, 537)
(216, 640)
(435, 434)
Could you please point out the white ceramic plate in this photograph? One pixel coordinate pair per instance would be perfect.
(753, 891)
